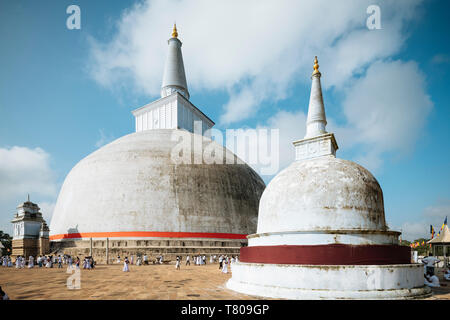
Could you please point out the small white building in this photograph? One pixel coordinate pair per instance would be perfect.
(31, 233)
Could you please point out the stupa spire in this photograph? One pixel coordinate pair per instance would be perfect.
(317, 141)
(174, 79)
(174, 32)
(316, 121)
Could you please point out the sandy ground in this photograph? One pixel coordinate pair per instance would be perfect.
(142, 282)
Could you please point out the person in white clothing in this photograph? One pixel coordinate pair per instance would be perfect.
(30, 262)
(225, 266)
(177, 265)
(221, 262)
(447, 275)
(430, 261)
(188, 262)
(431, 280)
(125, 265)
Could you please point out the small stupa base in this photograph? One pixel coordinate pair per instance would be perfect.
(312, 282)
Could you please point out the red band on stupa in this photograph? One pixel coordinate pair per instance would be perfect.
(147, 234)
(333, 254)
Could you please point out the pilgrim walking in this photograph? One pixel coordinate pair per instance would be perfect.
(125, 265)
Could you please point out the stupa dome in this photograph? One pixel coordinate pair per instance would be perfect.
(321, 194)
(132, 185)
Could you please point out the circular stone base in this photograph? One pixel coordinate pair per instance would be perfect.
(404, 281)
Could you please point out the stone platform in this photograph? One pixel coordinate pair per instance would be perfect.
(301, 282)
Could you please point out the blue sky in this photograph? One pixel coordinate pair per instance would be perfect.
(64, 93)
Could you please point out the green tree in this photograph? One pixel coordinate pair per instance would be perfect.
(6, 240)
(422, 249)
(405, 243)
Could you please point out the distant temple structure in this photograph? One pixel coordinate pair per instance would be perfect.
(31, 233)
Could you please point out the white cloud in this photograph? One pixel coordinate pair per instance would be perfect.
(414, 230)
(104, 138)
(25, 171)
(271, 151)
(47, 210)
(292, 127)
(387, 109)
(252, 49)
(433, 215)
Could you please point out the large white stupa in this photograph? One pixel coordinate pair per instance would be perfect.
(132, 197)
(321, 229)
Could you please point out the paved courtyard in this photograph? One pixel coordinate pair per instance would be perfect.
(143, 282)
(110, 282)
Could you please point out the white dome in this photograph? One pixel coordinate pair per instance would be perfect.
(322, 194)
(132, 184)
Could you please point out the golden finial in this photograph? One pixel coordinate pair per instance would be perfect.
(174, 32)
(316, 66)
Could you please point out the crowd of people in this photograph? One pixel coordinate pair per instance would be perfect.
(198, 260)
(225, 262)
(47, 261)
(58, 261)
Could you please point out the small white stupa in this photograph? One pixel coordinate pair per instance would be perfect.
(321, 229)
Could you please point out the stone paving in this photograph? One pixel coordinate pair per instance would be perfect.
(142, 282)
(110, 282)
